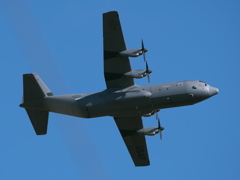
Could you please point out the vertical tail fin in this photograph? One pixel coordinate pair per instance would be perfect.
(34, 88)
(34, 91)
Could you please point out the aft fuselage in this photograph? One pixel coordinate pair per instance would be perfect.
(131, 101)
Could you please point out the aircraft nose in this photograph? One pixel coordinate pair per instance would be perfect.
(213, 91)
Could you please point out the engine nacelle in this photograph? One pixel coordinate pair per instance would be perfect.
(132, 52)
(151, 113)
(136, 74)
(150, 131)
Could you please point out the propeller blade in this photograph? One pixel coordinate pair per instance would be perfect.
(156, 112)
(159, 126)
(142, 45)
(148, 76)
(160, 135)
(148, 72)
(147, 67)
(143, 52)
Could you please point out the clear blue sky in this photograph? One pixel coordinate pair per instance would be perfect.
(61, 40)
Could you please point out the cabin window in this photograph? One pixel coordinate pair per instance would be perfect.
(194, 87)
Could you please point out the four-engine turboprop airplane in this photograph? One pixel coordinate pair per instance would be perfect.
(126, 102)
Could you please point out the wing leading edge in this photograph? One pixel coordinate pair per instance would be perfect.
(135, 143)
(114, 64)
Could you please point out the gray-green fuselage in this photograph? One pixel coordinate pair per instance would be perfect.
(130, 101)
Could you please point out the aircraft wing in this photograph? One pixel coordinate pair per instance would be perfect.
(135, 143)
(114, 64)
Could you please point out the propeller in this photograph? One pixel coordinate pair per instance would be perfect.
(147, 72)
(160, 128)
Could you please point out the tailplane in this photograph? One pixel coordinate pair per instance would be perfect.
(34, 92)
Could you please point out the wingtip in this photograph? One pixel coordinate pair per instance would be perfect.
(110, 12)
(30, 74)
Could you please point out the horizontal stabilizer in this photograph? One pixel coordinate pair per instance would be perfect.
(39, 120)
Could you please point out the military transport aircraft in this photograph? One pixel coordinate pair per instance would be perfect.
(125, 101)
